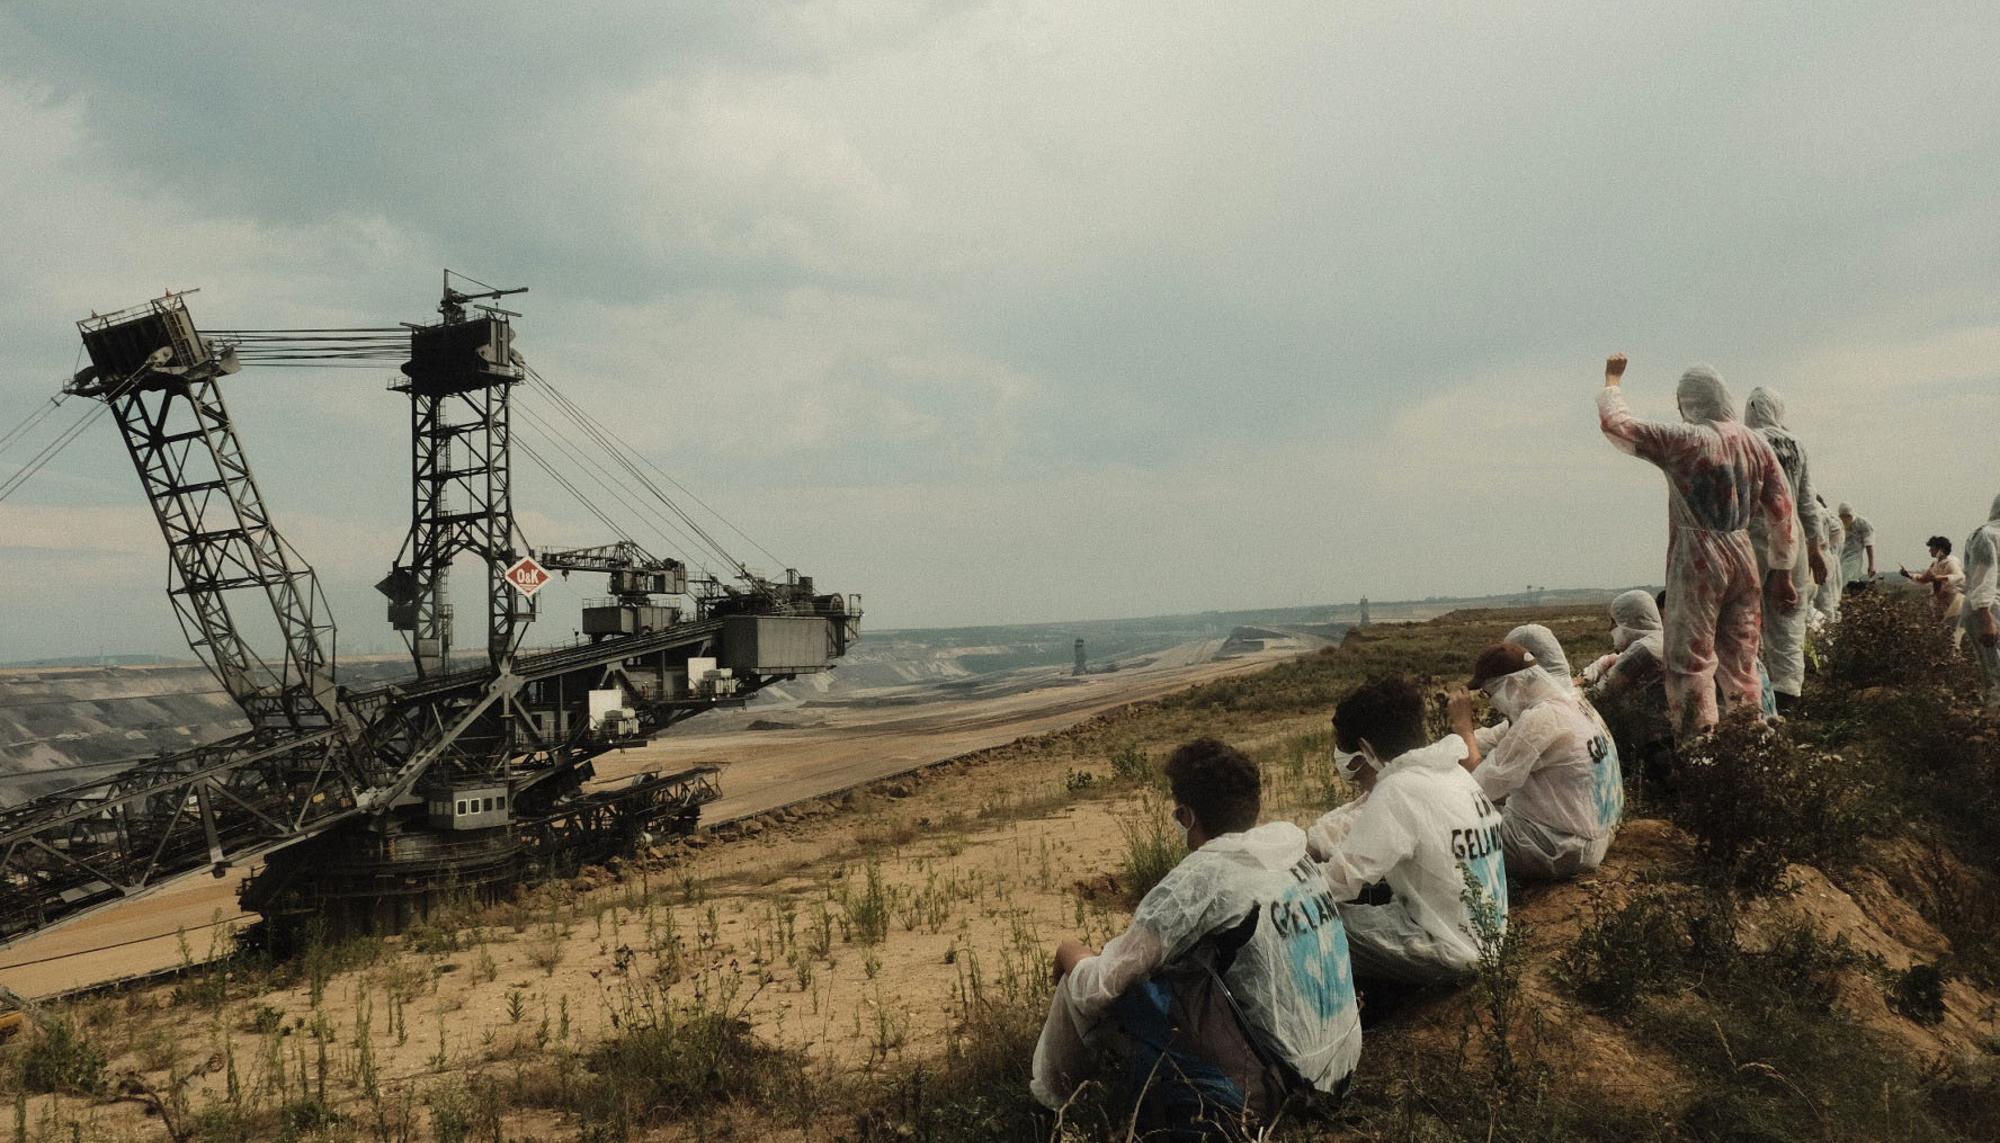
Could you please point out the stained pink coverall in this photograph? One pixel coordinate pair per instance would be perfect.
(1720, 473)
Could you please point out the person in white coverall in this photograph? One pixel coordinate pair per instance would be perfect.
(1833, 538)
(1231, 991)
(1981, 615)
(1547, 650)
(1785, 628)
(1552, 767)
(1638, 649)
(1720, 475)
(1403, 860)
(1857, 547)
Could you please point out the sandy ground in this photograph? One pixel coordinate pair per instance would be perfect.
(838, 747)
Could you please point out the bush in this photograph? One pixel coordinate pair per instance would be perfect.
(1640, 949)
(1755, 801)
(678, 1067)
(61, 1059)
(1889, 638)
(1153, 846)
(1919, 993)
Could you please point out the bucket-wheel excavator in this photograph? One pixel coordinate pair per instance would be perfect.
(370, 806)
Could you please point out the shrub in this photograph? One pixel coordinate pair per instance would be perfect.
(1890, 639)
(677, 1067)
(1919, 993)
(61, 1058)
(1130, 764)
(1756, 800)
(1153, 846)
(1641, 948)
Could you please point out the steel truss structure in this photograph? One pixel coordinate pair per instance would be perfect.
(347, 794)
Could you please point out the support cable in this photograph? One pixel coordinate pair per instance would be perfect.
(33, 419)
(652, 517)
(623, 452)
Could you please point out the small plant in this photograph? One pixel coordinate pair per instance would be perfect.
(870, 911)
(1077, 781)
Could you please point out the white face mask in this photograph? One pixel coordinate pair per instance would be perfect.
(1187, 830)
(1351, 762)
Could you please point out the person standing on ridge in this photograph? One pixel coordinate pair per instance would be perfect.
(1946, 579)
(1720, 475)
(1981, 616)
(1833, 538)
(1785, 628)
(1857, 551)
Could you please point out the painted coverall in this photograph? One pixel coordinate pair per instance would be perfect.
(1835, 538)
(1982, 594)
(1785, 630)
(1720, 474)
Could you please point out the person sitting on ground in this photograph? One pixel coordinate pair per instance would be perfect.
(1231, 986)
(1637, 646)
(1401, 860)
(1553, 769)
(1946, 578)
(1547, 650)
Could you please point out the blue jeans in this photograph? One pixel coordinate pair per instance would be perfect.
(1186, 1098)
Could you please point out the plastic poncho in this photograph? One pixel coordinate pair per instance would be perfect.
(1556, 765)
(1832, 542)
(1720, 475)
(1547, 650)
(1946, 578)
(1290, 976)
(1784, 650)
(1982, 594)
(1854, 545)
(1424, 825)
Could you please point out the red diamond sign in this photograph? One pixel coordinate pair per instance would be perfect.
(527, 576)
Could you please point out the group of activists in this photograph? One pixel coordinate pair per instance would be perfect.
(1231, 996)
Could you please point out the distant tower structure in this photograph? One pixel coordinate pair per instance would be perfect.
(1362, 619)
(1079, 658)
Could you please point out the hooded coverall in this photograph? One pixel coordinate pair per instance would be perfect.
(1720, 475)
(1555, 771)
(1785, 630)
(1982, 595)
(1833, 538)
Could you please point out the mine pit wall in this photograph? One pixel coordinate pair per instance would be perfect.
(56, 719)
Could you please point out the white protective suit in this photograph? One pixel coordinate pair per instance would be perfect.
(1556, 773)
(1290, 977)
(1421, 829)
(1854, 546)
(1638, 655)
(1833, 542)
(1547, 650)
(1785, 630)
(1720, 476)
(1982, 594)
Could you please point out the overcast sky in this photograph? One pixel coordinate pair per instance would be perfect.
(1023, 311)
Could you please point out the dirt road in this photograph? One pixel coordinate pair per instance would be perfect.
(761, 770)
